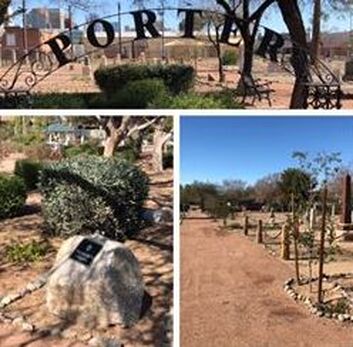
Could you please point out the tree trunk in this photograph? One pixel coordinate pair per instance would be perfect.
(292, 17)
(315, 43)
(159, 140)
(110, 146)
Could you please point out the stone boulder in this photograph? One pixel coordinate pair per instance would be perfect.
(107, 291)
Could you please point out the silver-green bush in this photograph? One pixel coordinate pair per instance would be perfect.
(93, 194)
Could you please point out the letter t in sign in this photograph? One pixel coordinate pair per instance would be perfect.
(189, 22)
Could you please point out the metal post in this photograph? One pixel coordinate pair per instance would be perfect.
(119, 29)
(70, 31)
(163, 32)
(24, 24)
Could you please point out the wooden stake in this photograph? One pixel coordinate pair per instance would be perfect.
(259, 238)
(322, 245)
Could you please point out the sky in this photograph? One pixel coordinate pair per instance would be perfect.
(105, 7)
(248, 148)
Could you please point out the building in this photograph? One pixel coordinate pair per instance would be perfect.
(47, 18)
(12, 42)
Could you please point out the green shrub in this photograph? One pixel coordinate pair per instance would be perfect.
(138, 94)
(60, 100)
(12, 196)
(168, 159)
(34, 251)
(230, 58)
(91, 194)
(6, 131)
(196, 101)
(84, 149)
(131, 151)
(177, 78)
(28, 170)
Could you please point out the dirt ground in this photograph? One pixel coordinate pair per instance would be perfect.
(232, 294)
(153, 248)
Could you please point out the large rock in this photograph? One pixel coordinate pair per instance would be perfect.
(107, 291)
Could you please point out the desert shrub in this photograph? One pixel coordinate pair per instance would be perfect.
(28, 170)
(177, 78)
(32, 138)
(195, 101)
(60, 100)
(84, 149)
(138, 94)
(91, 194)
(168, 158)
(17, 252)
(12, 196)
(230, 58)
(37, 152)
(6, 131)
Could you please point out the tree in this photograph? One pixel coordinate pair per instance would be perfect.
(267, 190)
(315, 42)
(4, 6)
(120, 128)
(248, 25)
(163, 132)
(292, 17)
(295, 186)
(215, 23)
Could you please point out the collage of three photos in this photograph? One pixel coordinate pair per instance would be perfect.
(176, 173)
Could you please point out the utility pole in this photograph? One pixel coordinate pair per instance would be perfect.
(24, 24)
(119, 30)
(163, 30)
(70, 31)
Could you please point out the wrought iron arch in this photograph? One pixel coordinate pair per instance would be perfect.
(23, 75)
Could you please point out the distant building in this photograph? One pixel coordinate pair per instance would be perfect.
(47, 18)
(12, 46)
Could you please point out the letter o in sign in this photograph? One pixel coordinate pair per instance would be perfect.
(91, 34)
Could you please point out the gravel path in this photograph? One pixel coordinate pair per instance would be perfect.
(231, 295)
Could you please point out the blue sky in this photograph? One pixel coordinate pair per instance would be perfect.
(248, 148)
(104, 7)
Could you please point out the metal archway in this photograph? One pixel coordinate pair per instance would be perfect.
(43, 60)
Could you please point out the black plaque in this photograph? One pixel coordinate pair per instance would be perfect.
(86, 251)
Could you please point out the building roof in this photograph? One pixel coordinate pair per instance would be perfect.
(60, 128)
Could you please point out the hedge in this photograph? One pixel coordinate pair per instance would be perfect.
(177, 78)
(29, 171)
(12, 196)
(92, 194)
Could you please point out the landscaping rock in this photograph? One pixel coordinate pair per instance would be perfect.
(98, 341)
(163, 215)
(28, 327)
(341, 318)
(105, 292)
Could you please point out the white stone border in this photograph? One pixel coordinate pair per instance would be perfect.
(313, 307)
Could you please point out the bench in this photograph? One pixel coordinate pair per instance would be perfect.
(323, 96)
(256, 89)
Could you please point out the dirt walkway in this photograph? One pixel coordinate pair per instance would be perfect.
(231, 295)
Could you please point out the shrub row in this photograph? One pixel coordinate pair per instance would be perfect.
(93, 195)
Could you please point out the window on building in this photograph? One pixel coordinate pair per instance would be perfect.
(10, 39)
